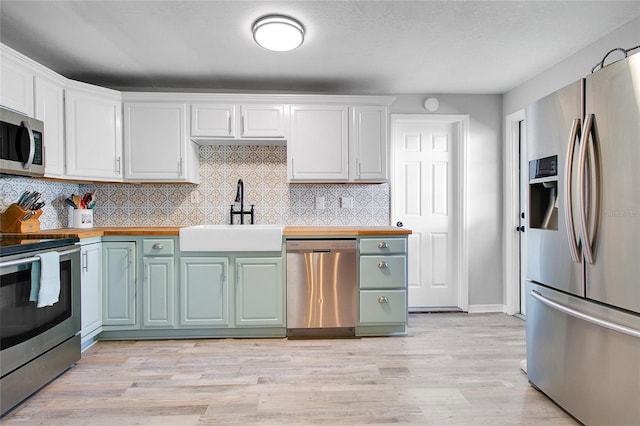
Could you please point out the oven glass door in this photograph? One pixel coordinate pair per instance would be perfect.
(21, 319)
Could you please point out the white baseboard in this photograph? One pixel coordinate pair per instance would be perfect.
(483, 309)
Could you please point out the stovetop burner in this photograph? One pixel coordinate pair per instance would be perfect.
(11, 244)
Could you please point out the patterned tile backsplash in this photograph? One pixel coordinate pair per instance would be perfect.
(263, 170)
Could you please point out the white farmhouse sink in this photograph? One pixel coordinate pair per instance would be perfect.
(231, 238)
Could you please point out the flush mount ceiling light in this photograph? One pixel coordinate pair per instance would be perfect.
(278, 32)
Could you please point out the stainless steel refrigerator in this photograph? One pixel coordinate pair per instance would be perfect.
(583, 246)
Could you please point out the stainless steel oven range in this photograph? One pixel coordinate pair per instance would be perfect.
(37, 344)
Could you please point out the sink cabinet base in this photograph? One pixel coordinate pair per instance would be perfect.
(191, 333)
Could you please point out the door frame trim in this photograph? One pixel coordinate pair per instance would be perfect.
(461, 125)
(511, 213)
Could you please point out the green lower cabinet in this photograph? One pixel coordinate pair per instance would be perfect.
(382, 307)
(119, 279)
(259, 298)
(204, 292)
(158, 289)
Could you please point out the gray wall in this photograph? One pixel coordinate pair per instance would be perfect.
(573, 68)
(484, 185)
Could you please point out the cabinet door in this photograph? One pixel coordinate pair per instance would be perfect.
(158, 289)
(91, 294)
(50, 110)
(93, 136)
(119, 279)
(318, 149)
(262, 121)
(213, 120)
(204, 291)
(368, 144)
(16, 85)
(155, 141)
(259, 292)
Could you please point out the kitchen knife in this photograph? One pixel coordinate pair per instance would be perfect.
(33, 199)
(38, 205)
(28, 201)
(22, 197)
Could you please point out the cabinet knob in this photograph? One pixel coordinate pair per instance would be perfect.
(383, 245)
(383, 299)
(157, 246)
(382, 265)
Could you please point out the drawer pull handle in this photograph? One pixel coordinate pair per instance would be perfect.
(157, 246)
(383, 299)
(382, 265)
(383, 245)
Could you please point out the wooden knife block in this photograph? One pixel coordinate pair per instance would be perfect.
(12, 220)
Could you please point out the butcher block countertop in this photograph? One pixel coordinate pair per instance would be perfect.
(144, 231)
(321, 231)
(174, 231)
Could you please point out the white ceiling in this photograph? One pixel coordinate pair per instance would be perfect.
(350, 47)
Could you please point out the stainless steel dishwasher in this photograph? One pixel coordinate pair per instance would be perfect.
(321, 288)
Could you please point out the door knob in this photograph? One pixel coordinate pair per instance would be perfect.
(520, 228)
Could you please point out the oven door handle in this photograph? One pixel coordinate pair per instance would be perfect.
(34, 258)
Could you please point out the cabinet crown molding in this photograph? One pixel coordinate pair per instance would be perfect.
(257, 98)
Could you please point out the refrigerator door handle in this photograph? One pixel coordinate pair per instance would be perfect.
(568, 199)
(587, 150)
(581, 315)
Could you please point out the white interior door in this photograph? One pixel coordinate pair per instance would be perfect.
(423, 184)
(516, 183)
(523, 202)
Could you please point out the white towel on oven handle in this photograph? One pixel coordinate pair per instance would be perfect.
(48, 283)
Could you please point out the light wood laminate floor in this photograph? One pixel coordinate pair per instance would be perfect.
(452, 368)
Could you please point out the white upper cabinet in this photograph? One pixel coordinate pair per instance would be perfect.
(16, 83)
(329, 138)
(216, 120)
(93, 134)
(368, 144)
(318, 145)
(233, 121)
(338, 143)
(262, 121)
(49, 108)
(157, 148)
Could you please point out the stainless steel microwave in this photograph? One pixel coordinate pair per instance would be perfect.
(21, 144)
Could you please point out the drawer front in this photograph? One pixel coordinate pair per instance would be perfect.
(383, 307)
(383, 245)
(158, 247)
(383, 271)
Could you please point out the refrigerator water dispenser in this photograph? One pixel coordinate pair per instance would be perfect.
(543, 193)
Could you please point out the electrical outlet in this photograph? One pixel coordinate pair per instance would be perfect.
(319, 201)
(346, 202)
(194, 197)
